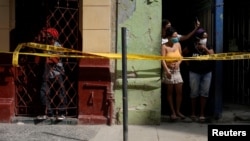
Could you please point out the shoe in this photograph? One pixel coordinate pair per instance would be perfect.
(202, 119)
(193, 118)
(41, 117)
(181, 116)
(61, 117)
(173, 117)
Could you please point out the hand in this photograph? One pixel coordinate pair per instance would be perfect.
(201, 47)
(175, 66)
(168, 74)
(197, 24)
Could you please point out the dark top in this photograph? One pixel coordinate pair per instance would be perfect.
(197, 66)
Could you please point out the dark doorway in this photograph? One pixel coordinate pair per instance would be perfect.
(31, 18)
(182, 15)
(237, 39)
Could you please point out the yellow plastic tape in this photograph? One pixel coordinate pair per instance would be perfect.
(70, 53)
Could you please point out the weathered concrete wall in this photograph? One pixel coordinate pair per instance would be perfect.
(142, 18)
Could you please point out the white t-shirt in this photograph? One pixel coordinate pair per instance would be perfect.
(163, 41)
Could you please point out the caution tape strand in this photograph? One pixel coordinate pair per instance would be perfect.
(71, 53)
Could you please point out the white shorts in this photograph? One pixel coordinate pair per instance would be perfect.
(176, 77)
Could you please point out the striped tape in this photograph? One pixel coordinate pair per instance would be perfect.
(70, 53)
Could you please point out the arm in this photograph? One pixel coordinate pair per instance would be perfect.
(54, 60)
(206, 50)
(164, 64)
(209, 51)
(179, 61)
(185, 37)
(163, 53)
(185, 51)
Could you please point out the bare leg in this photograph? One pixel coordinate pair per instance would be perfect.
(193, 106)
(203, 105)
(178, 88)
(170, 100)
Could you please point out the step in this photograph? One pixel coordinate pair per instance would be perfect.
(49, 121)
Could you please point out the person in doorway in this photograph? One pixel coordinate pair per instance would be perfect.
(172, 76)
(166, 24)
(52, 78)
(200, 72)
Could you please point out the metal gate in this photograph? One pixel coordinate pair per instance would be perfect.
(237, 33)
(237, 80)
(62, 15)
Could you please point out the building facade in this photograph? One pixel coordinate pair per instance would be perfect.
(95, 85)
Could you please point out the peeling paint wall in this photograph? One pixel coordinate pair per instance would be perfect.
(142, 19)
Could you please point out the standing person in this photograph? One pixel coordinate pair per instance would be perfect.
(172, 75)
(166, 24)
(52, 78)
(200, 72)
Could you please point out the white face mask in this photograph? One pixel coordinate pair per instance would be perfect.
(203, 41)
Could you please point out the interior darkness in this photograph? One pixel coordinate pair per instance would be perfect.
(181, 15)
(29, 21)
(30, 17)
(236, 33)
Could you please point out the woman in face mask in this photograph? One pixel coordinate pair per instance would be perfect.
(172, 77)
(201, 42)
(200, 73)
(166, 24)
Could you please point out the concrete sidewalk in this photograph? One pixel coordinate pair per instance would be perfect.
(183, 130)
(172, 131)
(28, 129)
(164, 132)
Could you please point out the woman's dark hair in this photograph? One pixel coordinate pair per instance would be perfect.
(164, 23)
(199, 33)
(170, 31)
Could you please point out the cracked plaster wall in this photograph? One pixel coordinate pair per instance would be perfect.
(142, 19)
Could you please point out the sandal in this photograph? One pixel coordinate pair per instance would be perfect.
(193, 118)
(181, 116)
(202, 119)
(173, 118)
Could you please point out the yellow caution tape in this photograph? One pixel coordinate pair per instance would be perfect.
(71, 53)
(16, 55)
